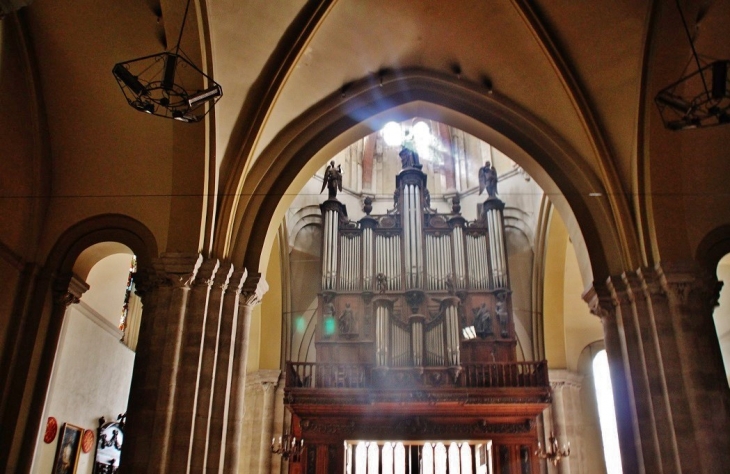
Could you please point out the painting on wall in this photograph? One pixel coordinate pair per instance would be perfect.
(67, 452)
(109, 445)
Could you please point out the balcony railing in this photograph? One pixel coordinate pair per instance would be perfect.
(354, 376)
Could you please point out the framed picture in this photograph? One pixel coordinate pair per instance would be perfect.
(67, 451)
(109, 442)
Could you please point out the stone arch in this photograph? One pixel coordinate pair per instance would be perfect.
(46, 309)
(248, 219)
(713, 247)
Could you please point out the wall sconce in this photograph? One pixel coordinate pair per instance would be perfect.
(288, 447)
(553, 454)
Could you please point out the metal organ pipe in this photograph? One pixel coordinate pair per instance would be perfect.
(502, 252)
(418, 235)
(397, 263)
(325, 249)
(333, 256)
(493, 234)
(406, 216)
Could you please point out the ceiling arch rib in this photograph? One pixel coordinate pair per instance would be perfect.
(336, 122)
(609, 175)
(258, 105)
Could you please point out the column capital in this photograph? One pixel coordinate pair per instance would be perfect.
(253, 289)
(686, 281)
(620, 291)
(68, 290)
(267, 378)
(600, 301)
(177, 270)
(560, 378)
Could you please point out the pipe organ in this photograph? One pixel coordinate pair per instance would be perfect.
(415, 337)
(415, 281)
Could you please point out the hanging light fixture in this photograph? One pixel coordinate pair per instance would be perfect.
(553, 454)
(288, 447)
(698, 99)
(168, 84)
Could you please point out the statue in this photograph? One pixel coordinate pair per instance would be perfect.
(488, 179)
(456, 205)
(409, 158)
(450, 285)
(502, 314)
(482, 321)
(332, 179)
(328, 316)
(382, 282)
(347, 321)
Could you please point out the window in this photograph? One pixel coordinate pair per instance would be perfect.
(606, 413)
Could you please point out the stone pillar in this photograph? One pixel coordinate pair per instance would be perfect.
(662, 346)
(683, 304)
(634, 359)
(269, 382)
(567, 419)
(186, 399)
(601, 305)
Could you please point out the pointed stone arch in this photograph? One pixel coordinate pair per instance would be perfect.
(249, 221)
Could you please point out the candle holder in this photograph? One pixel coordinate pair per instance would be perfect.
(553, 454)
(288, 447)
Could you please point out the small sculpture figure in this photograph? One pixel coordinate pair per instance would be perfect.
(347, 321)
(329, 308)
(450, 285)
(502, 314)
(488, 179)
(427, 199)
(382, 282)
(409, 158)
(456, 205)
(367, 205)
(328, 316)
(332, 179)
(482, 321)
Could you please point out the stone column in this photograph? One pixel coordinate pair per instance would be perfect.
(567, 419)
(601, 304)
(698, 393)
(186, 398)
(269, 382)
(634, 358)
(659, 332)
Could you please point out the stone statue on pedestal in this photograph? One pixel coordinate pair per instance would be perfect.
(332, 179)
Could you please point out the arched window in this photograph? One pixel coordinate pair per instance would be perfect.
(606, 413)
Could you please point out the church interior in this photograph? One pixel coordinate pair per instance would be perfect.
(364, 236)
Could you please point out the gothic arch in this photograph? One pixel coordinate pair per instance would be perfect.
(245, 231)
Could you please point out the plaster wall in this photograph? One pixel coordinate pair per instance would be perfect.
(107, 281)
(91, 377)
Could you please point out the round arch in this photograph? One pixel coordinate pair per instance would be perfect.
(248, 218)
(48, 313)
(104, 228)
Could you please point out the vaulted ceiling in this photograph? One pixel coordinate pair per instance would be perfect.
(585, 72)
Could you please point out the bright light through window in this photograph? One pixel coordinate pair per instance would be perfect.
(423, 140)
(392, 134)
(606, 413)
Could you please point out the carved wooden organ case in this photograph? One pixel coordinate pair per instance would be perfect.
(415, 336)
(414, 288)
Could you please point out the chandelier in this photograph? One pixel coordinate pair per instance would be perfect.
(698, 99)
(553, 454)
(288, 447)
(168, 84)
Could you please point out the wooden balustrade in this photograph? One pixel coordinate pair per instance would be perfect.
(490, 375)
